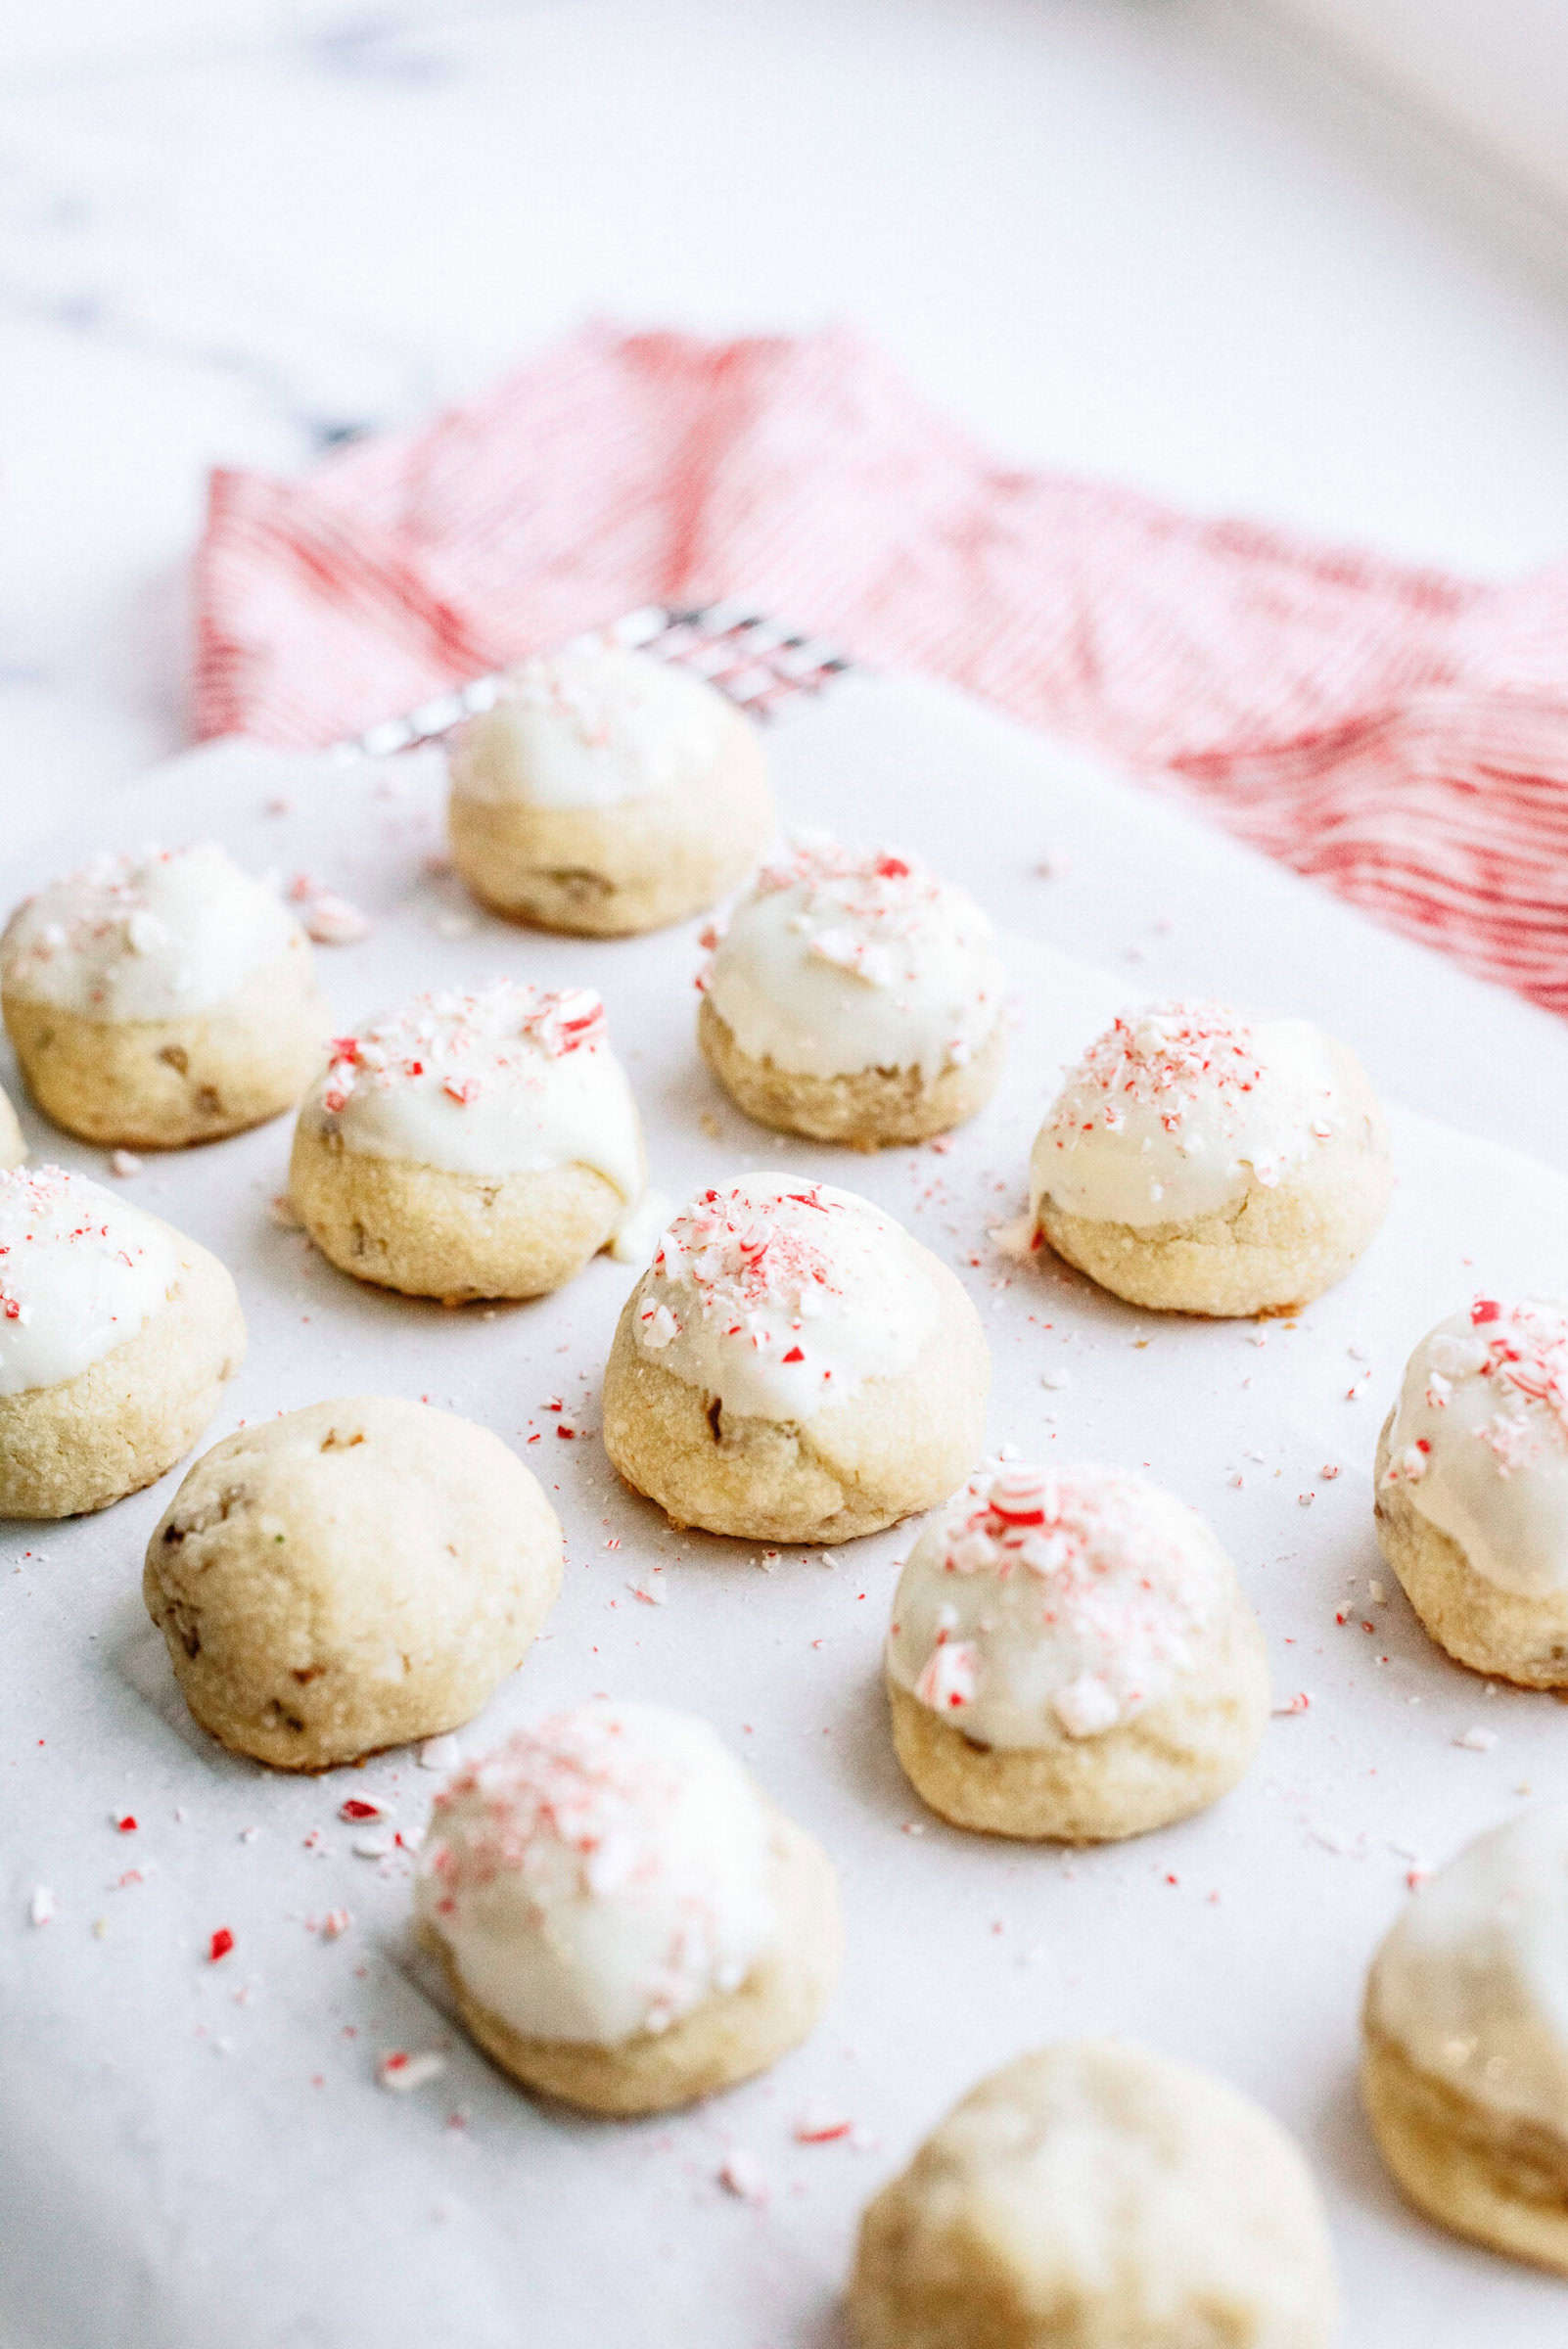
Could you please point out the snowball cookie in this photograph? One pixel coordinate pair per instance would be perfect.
(1200, 1163)
(1071, 1657)
(349, 1577)
(1473, 1488)
(161, 999)
(1466, 2063)
(116, 1336)
(853, 997)
(470, 1146)
(1094, 2196)
(794, 1367)
(607, 792)
(625, 1921)
(13, 1149)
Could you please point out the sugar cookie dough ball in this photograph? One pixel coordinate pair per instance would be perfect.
(470, 1146)
(1094, 2196)
(1200, 1163)
(607, 792)
(117, 1337)
(1071, 1657)
(855, 999)
(1473, 1488)
(625, 1921)
(794, 1367)
(349, 1577)
(13, 1149)
(1465, 2061)
(161, 999)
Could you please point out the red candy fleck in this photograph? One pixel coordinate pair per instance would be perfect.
(1485, 1308)
(794, 1356)
(127, 1824)
(354, 1808)
(221, 1945)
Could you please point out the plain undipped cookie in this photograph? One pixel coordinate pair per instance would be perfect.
(118, 1335)
(1094, 2196)
(626, 1922)
(607, 792)
(853, 997)
(349, 1577)
(1071, 1657)
(1464, 2070)
(1199, 1161)
(159, 999)
(481, 1144)
(1473, 1488)
(794, 1367)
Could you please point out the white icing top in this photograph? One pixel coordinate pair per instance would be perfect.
(1479, 1443)
(780, 1297)
(1472, 1982)
(80, 1273)
(149, 937)
(1049, 1600)
(512, 1081)
(839, 959)
(589, 726)
(1173, 1113)
(600, 1875)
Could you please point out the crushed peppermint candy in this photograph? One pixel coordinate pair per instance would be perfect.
(402, 2070)
(41, 1907)
(742, 2176)
(329, 920)
(460, 1045)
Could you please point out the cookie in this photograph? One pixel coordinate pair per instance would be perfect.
(794, 1367)
(161, 999)
(853, 997)
(470, 1146)
(1464, 2071)
(1094, 2196)
(607, 792)
(1473, 1488)
(118, 1335)
(626, 1923)
(1071, 1657)
(349, 1577)
(1197, 1162)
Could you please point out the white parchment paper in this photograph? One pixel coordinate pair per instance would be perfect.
(192, 2152)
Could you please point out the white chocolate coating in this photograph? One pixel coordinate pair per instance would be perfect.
(590, 726)
(157, 936)
(1472, 1982)
(512, 1080)
(1042, 1600)
(837, 960)
(1479, 1443)
(80, 1271)
(600, 1875)
(782, 1297)
(1175, 1112)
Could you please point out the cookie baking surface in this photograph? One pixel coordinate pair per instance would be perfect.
(1238, 1941)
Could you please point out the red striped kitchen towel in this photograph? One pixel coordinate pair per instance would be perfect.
(1399, 733)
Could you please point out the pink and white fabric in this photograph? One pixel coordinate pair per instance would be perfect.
(1401, 734)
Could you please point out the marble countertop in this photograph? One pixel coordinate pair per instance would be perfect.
(1153, 240)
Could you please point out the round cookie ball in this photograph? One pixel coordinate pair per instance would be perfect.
(794, 1367)
(117, 1337)
(349, 1577)
(1094, 2196)
(626, 1922)
(1196, 1162)
(1473, 1488)
(1464, 2071)
(470, 1146)
(607, 792)
(1071, 1657)
(13, 1149)
(855, 999)
(161, 999)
